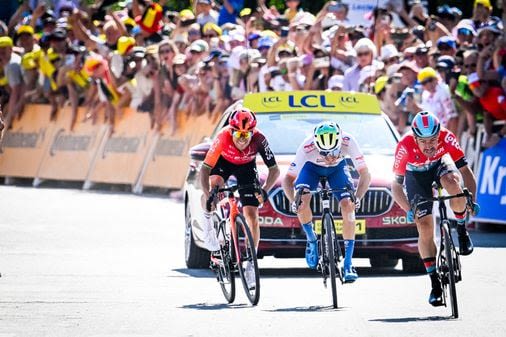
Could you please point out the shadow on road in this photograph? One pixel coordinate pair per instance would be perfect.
(412, 319)
(315, 308)
(296, 272)
(214, 306)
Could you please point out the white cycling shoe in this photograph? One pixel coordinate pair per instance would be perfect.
(210, 240)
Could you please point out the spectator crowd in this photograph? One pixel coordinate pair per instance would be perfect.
(142, 54)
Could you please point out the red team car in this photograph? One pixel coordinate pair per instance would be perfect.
(286, 118)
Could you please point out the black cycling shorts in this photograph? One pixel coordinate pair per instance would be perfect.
(245, 174)
(420, 183)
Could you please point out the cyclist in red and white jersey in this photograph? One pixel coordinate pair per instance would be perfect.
(431, 153)
(234, 152)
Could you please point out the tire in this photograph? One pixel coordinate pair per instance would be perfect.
(195, 257)
(247, 252)
(448, 250)
(225, 271)
(413, 265)
(382, 261)
(329, 258)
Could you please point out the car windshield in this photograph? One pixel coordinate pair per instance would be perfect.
(286, 131)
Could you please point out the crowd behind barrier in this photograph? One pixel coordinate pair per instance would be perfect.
(138, 62)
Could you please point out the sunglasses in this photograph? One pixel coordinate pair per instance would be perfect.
(363, 54)
(332, 153)
(427, 81)
(165, 51)
(470, 65)
(208, 36)
(242, 134)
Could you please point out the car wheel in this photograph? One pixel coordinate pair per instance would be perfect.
(413, 265)
(383, 262)
(195, 257)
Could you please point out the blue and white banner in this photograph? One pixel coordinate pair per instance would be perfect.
(491, 191)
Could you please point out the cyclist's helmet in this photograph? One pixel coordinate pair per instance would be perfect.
(242, 119)
(425, 125)
(327, 136)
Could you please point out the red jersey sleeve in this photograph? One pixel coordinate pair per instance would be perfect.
(401, 158)
(452, 146)
(214, 152)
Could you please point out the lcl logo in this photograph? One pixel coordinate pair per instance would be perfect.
(271, 101)
(349, 100)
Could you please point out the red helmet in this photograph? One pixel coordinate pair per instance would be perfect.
(242, 119)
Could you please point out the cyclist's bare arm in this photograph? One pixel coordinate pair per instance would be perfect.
(288, 186)
(398, 193)
(204, 180)
(469, 180)
(364, 181)
(272, 176)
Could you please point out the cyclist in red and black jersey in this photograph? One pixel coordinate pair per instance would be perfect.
(431, 153)
(234, 153)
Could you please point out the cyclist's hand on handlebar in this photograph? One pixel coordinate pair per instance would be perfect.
(262, 195)
(410, 216)
(476, 209)
(357, 203)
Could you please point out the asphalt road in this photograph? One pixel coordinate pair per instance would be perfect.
(93, 263)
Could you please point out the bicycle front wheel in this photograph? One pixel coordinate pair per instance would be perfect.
(449, 248)
(247, 255)
(223, 264)
(329, 257)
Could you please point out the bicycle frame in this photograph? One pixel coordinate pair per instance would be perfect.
(231, 201)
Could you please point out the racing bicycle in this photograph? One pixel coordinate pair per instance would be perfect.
(329, 248)
(448, 265)
(237, 247)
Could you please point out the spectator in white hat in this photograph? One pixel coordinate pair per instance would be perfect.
(336, 83)
(366, 54)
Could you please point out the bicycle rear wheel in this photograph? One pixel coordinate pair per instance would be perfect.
(247, 254)
(329, 254)
(449, 248)
(224, 266)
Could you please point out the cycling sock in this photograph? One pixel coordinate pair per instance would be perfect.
(349, 245)
(461, 218)
(430, 265)
(308, 228)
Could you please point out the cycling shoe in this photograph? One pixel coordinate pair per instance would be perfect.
(350, 275)
(312, 254)
(436, 297)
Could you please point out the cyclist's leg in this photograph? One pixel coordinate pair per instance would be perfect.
(247, 175)
(308, 180)
(218, 175)
(450, 180)
(339, 177)
(420, 183)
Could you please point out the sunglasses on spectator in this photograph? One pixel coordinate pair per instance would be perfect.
(365, 53)
(208, 36)
(242, 134)
(444, 47)
(165, 51)
(469, 65)
(390, 60)
(464, 31)
(193, 32)
(427, 81)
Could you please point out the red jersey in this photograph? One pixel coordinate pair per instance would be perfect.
(224, 146)
(408, 156)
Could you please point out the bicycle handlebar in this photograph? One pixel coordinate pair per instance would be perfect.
(231, 189)
(419, 200)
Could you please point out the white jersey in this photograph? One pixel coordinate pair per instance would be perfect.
(308, 151)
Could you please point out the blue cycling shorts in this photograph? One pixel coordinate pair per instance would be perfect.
(337, 176)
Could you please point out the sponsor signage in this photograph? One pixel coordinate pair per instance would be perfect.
(168, 160)
(491, 191)
(312, 101)
(25, 144)
(71, 153)
(121, 155)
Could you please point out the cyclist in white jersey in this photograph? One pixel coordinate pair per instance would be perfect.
(323, 155)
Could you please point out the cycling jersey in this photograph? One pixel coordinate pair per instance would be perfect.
(308, 152)
(408, 156)
(224, 146)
